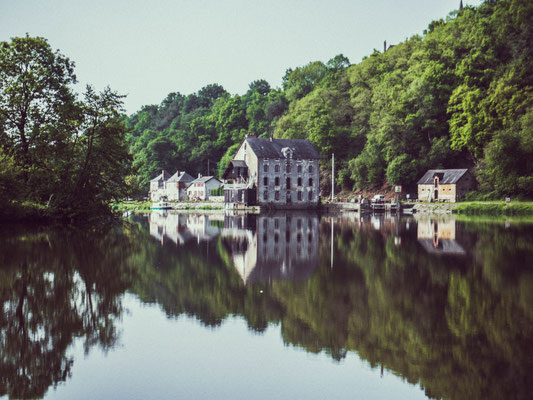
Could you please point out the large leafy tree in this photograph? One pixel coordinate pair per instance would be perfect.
(70, 153)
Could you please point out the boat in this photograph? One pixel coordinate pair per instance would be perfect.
(161, 205)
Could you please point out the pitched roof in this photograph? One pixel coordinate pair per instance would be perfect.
(204, 179)
(446, 176)
(181, 177)
(267, 148)
(163, 176)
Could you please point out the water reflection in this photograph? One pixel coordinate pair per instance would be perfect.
(447, 305)
(438, 236)
(55, 287)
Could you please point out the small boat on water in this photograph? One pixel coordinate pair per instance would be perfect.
(161, 205)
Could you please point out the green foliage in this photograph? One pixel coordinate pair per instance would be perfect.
(456, 97)
(66, 153)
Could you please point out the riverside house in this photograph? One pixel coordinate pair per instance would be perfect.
(200, 188)
(277, 173)
(448, 185)
(172, 188)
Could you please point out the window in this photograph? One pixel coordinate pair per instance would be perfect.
(299, 169)
(265, 223)
(265, 181)
(276, 195)
(288, 183)
(310, 195)
(299, 223)
(299, 181)
(288, 168)
(310, 181)
(276, 168)
(310, 169)
(300, 196)
(265, 195)
(276, 181)
(276, 223)
(265, 167)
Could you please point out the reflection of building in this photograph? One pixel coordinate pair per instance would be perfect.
(180, 228)
(438, 236)
(283, 246)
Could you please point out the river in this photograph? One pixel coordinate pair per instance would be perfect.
(280, 306)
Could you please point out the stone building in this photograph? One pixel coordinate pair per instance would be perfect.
(176, 186)
(448, 185)
(280, 173)
(157, 186)
(173, 188)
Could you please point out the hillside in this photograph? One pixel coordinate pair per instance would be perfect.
(460, 95)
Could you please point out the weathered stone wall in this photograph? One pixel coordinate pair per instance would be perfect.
(299, 172)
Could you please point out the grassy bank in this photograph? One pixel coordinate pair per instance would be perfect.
(131, 206)
(494, 208)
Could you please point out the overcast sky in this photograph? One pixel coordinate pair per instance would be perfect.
(147, 49)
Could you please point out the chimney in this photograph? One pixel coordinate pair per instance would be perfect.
(199, 175)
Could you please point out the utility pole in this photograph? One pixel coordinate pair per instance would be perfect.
(332, 176)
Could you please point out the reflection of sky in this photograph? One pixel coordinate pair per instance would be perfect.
(161, 358)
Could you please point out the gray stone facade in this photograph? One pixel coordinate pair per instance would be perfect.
(283, 172)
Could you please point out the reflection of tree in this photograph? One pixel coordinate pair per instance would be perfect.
(459, 325)
(55, 287)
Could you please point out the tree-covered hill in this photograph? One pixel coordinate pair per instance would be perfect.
(460, 95)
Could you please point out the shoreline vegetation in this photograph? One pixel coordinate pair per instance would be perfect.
(467, 208)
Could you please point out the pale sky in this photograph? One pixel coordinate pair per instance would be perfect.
(147, 49)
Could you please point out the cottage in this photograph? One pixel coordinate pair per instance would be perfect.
(200, 188)
(281, 173)
(157, 186)
(176, 186)
(448, 185)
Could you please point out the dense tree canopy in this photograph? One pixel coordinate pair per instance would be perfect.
(55, 148)
(453, 97)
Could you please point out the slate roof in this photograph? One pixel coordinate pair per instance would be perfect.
(266, 148)
(446, 176)
(204, 179)
(238, 163)
(181, 177)
(164, 175)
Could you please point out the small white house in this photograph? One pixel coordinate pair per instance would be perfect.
(157, 186)
(200, 188)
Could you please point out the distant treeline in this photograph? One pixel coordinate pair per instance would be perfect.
(460, 95)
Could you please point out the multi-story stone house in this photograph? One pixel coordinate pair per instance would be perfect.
(279, 173)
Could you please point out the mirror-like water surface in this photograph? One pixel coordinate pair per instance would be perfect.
(288, 305)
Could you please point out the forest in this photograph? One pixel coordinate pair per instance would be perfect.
(457, 96)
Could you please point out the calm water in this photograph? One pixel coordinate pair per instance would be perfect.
(286, 306)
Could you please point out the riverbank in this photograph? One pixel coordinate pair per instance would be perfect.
(488, 208)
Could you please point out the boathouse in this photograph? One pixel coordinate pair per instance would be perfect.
(278, 173)
(448, 185)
